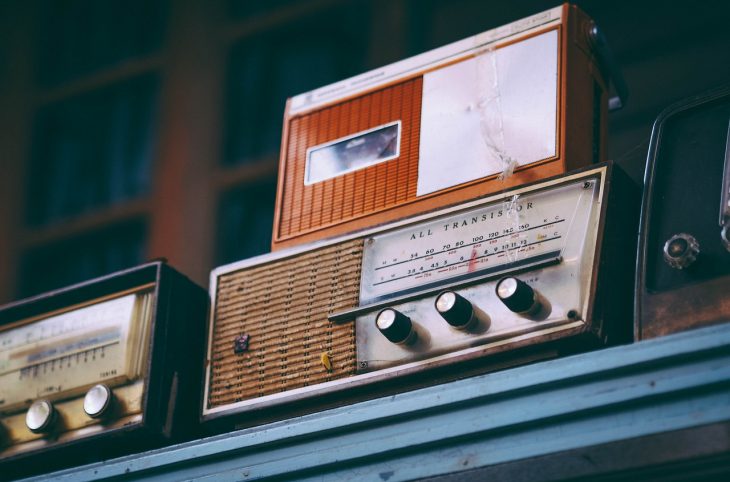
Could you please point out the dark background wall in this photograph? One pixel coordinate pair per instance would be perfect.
(138, 129)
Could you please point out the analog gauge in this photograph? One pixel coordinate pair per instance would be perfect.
(517, 232)
(63, 354)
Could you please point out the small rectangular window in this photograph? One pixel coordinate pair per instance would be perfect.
(352, 153)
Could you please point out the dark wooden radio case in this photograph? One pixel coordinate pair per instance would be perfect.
(683, 180)
(386, 192)
(172, 371)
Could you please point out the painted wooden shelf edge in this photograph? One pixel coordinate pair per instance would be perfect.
(656, 386)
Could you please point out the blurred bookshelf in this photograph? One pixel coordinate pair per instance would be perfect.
(151, 128)
(140, 129)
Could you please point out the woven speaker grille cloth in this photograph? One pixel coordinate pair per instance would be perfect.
(361, 192)
(283, 307)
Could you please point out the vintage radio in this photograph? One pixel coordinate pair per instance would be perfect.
(526, 274)
(683, 269)
(444, 127)
(100, 368)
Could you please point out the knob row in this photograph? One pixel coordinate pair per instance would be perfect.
(459, 312)
(42, 415)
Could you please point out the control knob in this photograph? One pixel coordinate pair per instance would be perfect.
(40, 416)
(681, 250)
(395, 326)
(458, 311)
(518, 296)
(98, 400)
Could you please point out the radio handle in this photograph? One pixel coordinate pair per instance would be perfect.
(608, 61)
(725, 195)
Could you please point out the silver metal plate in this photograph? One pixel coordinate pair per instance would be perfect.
(495, 238)
(509, 236)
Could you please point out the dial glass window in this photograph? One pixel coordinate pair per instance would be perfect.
(352, 153)
(71, 351)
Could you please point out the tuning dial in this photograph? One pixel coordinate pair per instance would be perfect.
(98, 400)
(40, 416)
(681, 250)
(518, 296)
(725, 236)
(395, 326)
(457, 310)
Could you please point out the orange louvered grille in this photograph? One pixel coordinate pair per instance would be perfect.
(385, 185)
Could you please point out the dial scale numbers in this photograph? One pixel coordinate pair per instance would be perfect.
(63, 354)
(491, 239)
(547, 236)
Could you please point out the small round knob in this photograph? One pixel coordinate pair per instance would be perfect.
(40, 416)
(681, 250)
(517, 295)
(455, 309)
(98, 400)
(725, 236)
(394, 325)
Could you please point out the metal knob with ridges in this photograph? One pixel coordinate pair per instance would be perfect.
(681, 250)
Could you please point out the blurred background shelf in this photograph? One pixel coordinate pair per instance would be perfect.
(98, 219)
(167, 114)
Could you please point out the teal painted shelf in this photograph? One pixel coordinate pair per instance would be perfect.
(541, 421)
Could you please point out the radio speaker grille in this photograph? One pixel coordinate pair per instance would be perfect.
(389, 184)
(282, 306)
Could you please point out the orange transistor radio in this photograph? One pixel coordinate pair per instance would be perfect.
(512, 105)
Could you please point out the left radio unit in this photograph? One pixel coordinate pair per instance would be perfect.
(99, 369)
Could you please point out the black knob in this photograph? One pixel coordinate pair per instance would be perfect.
(517, 295)
(455, 309)
(394, 325)
(681, 250)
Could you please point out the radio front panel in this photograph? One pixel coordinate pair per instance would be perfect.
(684, 258)
(547, 233)
(64, 355)
(519, 274)
(98, 369)
(513, 105)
